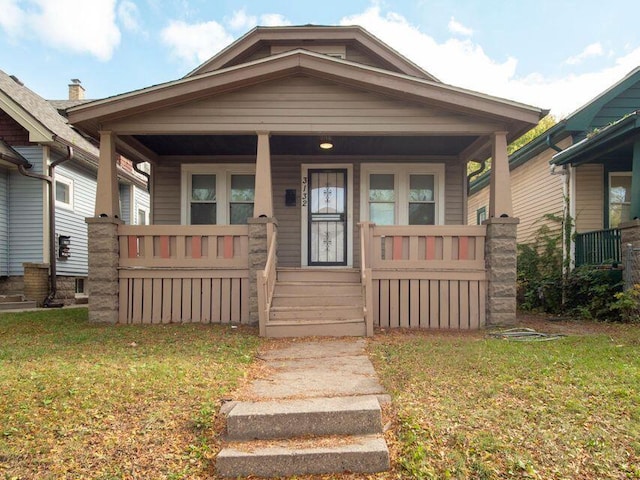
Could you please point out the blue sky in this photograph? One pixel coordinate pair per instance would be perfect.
(552, 54)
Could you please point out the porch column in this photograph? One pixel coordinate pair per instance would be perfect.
(501, 260)
(263, 204)
(500, 204)
(635, 181)
(107, 201)
(104, 258)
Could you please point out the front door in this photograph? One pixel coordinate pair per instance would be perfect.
(327, 217)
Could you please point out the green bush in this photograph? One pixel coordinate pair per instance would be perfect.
(591, 292)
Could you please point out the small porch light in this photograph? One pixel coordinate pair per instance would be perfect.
(326, 143)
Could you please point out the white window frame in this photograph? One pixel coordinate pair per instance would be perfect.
(223, 174)
(615, 174)
(401, 172)
(144, 209)
(68, 182)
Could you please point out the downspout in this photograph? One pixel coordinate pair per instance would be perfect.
(50, 179)
(474, 173)
(145, 175)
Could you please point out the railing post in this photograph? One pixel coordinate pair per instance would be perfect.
(258, 251)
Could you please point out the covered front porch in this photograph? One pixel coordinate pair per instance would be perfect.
(250, 214)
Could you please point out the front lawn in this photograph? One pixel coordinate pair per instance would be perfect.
(467, 406)
(79, 400)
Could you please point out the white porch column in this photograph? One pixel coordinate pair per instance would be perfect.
(263, 206)
(500, 204)
(107, 203)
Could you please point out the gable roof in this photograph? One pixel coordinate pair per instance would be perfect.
(238, 51)
(517, 116)
(39, 117)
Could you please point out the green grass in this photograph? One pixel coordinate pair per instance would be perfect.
(471, 407)
(80, 400)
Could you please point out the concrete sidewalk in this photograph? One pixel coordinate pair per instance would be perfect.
(316, 410)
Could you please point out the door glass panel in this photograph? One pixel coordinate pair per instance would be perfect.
(327, 218)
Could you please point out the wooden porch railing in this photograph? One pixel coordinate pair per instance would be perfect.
(266, 280)
(366, 276)
(428, 276)
(596, 248)
(183, 273)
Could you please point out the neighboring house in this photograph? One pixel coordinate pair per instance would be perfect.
(586, 166)
(36, 145)
(309, 179)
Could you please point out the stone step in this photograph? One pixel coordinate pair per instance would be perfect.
(12, 297)
(361, 454)
(305, 417)
(287, 328)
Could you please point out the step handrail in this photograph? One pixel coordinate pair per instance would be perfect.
(365, 276)
(267, 281)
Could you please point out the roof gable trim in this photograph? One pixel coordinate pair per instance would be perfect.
(38, 133)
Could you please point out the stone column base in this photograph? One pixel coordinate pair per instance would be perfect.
(104, 259)
(258, 251)
(501, 262)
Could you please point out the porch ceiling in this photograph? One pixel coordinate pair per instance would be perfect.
(163, 145)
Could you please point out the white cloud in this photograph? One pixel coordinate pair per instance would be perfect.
(593, 50)
(464, 63)
(128, 15)
(456, 27)
(241, 21)
(72, 25)
(195, 43)
(274, 20)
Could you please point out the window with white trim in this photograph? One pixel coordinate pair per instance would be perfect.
(619, 198)
(64, 192)
(217, 194)
(142, 216)
(402, 194)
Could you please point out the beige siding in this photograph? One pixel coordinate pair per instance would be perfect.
(589, 198)
(355, 54)
(301, 105)
(535, 193)
(286, 173)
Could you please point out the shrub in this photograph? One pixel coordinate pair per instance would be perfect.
(591, 292)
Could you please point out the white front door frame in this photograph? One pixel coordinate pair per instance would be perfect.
(304, 210)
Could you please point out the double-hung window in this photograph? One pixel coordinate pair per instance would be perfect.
(403, 194)
(217, 194)
(64, 192)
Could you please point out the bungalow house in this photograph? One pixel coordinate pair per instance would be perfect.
(47, 187)
(310, 180)
(587, 166)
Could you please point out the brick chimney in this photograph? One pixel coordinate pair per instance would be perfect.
(76, 90)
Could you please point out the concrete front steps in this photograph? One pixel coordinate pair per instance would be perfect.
(299, 437)
(15, 302)
(311, 302)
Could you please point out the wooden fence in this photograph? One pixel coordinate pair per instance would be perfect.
(183, 273)
(428, 277)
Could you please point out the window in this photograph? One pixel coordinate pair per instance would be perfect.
(403, 194)
(619, 198)
(217, 194)
(143, 216)
(64, 192)
(481, 215)
(80, 286)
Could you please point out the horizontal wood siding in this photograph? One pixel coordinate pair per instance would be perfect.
(285, 175)
(302, 105)
(455, 192)
(125, 203)
(4, 222)
(536, 193)
(141, 199)
(476, 201)
(355, 54)
(165, 189)
(26, 214)
(589, 199)
(72, 222)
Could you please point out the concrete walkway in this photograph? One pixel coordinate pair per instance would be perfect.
(325, 368)
(311, 393)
